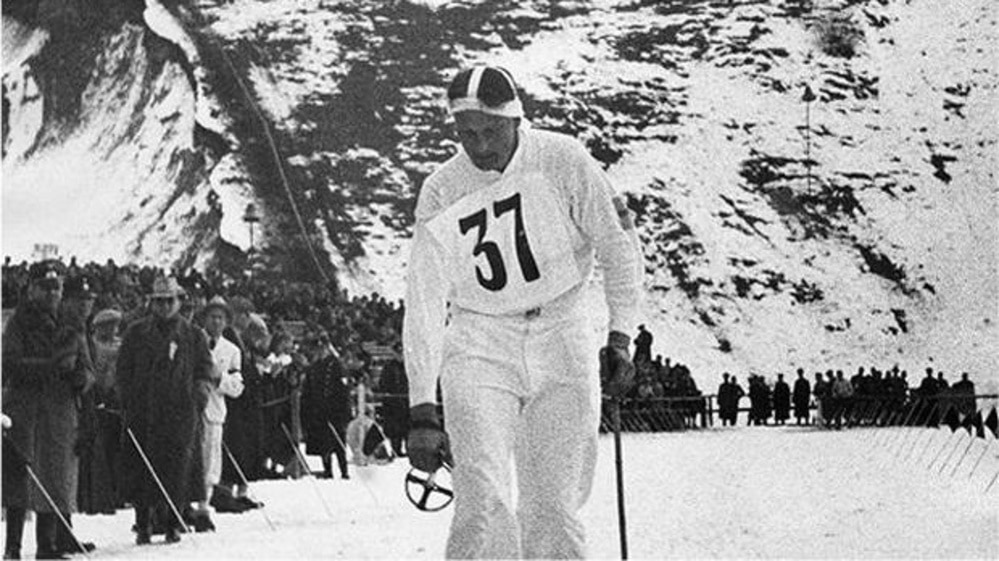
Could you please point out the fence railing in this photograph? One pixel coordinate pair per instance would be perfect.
(658, 414)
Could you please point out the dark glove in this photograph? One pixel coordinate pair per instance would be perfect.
(617, 372)
(427, 444)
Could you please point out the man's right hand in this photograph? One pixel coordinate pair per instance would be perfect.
(427, 445)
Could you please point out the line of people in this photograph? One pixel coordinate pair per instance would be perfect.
(836, 399)
(183, 394)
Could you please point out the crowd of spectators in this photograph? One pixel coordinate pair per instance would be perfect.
(666, 397)
(831, 400)
(304, 376)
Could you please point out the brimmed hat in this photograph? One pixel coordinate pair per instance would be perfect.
(107, 316)
(48, 272)
(78, 287)
(241, 304)
(488, 89)
(218, 303)
(256, 330)
(166, 287)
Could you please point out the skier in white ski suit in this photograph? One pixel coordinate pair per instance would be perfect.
(507, 235)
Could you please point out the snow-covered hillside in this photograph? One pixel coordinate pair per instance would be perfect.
(858, 228)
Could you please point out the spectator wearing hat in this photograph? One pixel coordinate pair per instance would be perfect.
(227, 382)
(75, 310)
(395, 403)
(195, 298)
(326, 408)
(46, 365)
(243, 430)
(164, 373)
(100, 459)
(801, 397)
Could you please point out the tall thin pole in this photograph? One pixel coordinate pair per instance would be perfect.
(246, 482)
(619, 468)
(159, 483)
(808, 97)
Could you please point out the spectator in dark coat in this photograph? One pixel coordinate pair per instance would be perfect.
(100, 458)
(782, 400)
(737, 394)
(75, 311)
(243, 432)
(46, 366)
(164, 374)
(725, 400)
(326, 408)
(395, 404)
(964, 395)
(643, 346)
(801, 397)
(821, 389)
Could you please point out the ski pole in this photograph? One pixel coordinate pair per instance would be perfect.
(305, 465)
(343, 447)
(246, 482)
(619, 469)
(159, 483)
(979, 460)
(48, 498)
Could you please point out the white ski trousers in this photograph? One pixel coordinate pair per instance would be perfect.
(522, 408)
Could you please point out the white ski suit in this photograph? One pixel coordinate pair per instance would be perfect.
(499, 267)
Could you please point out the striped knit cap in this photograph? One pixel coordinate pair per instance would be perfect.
(489, 89)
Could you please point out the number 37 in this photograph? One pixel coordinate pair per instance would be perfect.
(497, 278)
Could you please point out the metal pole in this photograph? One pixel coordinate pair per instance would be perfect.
(619, 469)
(301, 458)
(246, 482)
(985, 450)
(940, 452)
(991, 483)
(48, 498)
(904, 440)
(961, 461)
(159, 483)
(951, 455)
(343, 447)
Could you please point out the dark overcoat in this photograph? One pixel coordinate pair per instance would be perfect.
(782, 400)
(802, 395)
(325, 399)
(42, 401)
(164, 374)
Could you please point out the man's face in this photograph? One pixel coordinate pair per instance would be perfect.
(47, 293)
(215, 322)
(79, 307)
(488, 140)
(165, 307)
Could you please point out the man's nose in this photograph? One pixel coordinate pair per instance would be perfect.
(479, 145)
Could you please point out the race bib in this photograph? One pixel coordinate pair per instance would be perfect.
(510, 246)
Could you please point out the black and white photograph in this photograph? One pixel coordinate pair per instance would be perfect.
(511, 279)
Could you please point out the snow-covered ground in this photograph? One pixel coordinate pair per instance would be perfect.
(745, 492)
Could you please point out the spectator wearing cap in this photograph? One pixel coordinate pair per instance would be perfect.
(395, 400)
(164, 373)
(243, 431)
(326, 408)
(46, 365)
(193, 303)
(227, 382)
(75, 309)
(100, 459)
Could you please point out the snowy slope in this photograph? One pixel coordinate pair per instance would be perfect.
(858, 229)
